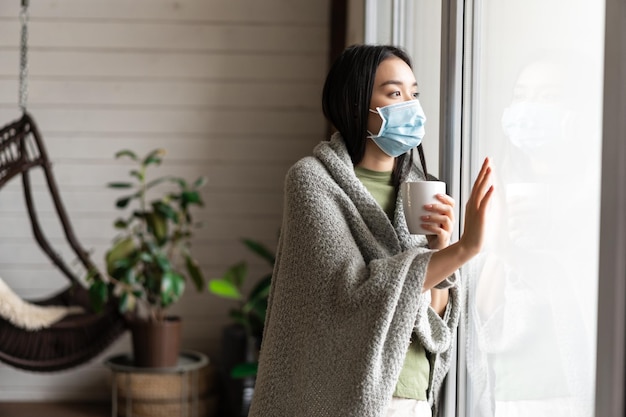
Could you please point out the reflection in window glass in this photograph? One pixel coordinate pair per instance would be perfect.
(532, 293)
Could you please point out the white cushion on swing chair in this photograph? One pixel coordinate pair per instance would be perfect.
(27, 315)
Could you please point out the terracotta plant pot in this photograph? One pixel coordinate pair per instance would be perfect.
(156, 344)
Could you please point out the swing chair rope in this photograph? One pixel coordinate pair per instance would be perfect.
(23, 92)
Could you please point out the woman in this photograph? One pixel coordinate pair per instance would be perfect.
(361, 312)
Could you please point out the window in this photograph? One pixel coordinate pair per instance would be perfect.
(522, 83)
(532, 293)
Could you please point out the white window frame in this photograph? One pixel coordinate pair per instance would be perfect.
(458, 42)
(610, 364)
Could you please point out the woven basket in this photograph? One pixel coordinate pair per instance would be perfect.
(206, 407)
(155, 395)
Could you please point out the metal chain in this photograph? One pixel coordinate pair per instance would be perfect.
(23, 93)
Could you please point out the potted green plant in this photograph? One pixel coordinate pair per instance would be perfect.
(150, 261)
(242, 339)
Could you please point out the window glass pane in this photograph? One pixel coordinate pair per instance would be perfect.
(532, 292)
(424, 47)
(422, 41)
(380, 16)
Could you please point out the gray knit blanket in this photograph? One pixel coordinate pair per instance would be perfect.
(346, 296)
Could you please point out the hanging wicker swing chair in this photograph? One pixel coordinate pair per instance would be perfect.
(75, 338)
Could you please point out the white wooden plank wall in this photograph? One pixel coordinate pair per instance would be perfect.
(231, 88)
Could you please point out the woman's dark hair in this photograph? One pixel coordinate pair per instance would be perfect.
(346, 98)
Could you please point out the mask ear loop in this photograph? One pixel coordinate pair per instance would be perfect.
(420, 151)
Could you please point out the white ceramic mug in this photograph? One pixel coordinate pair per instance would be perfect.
(415, 195)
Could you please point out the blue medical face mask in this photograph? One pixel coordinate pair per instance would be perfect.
(402, 128)
(532, 125)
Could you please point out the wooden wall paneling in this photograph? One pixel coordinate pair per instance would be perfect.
(186, 94)
(173, 37)
(157, 65)
(231, 88)
(266, 202)
(293, 12)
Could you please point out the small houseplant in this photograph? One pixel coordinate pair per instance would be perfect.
(242, 339)
(150, 261)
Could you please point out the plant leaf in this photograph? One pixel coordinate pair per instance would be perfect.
(194, 272)
(154, 157)
(259, 308)
(157, 224)
(146, 257)
(180, 181)
(262, 288)
(236, 274)
(260, 250)
(98, 295)
(200, 182)
(244, 370)
(172, 287)
(121, 252)
(93, 275)
(163, 262)
(152, 283)
(128, 302)
(257, 301)
(179, 285)
(191, 197)
(121, 249)
(127, 153)
(136, 174)
(160, 180)
(127, 274)
(166, 210)
(119, 269)
(239, 317)
(120, 185)
(224, 288)
(123, 202)
(120, 224)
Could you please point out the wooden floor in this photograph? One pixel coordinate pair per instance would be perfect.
(39, 409)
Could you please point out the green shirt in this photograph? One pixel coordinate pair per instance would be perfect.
(415, 373)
